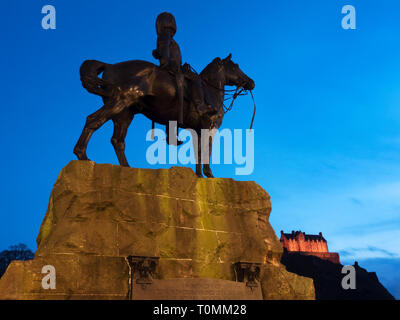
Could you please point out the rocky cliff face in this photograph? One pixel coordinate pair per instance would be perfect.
(100, 214)
(328, 278)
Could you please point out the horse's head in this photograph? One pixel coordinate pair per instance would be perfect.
(234, 76)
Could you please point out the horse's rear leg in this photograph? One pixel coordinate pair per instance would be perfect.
(94, 122)
(121, 125)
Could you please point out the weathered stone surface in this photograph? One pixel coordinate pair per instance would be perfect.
(278, 284)
(99, 214)
(77, 276)
(196, 289)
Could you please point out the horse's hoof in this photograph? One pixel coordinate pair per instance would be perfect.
(209, 175)
(81, 155)
(207, 171)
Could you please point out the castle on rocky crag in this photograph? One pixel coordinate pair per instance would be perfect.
(308, 244)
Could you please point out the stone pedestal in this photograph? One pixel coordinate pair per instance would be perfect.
(101, 215)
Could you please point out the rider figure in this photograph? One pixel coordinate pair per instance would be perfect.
(169, 55)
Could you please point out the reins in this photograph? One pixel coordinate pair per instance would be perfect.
(234, 93)
(254, 111)
(238, 92)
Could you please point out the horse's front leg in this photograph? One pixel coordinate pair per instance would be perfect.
(206, 167)
(197, 155)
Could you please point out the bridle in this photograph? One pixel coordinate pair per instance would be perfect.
(233, 94)
(238, 92)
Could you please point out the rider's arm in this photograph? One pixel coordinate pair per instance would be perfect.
(163, 44)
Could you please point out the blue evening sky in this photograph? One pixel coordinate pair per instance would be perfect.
(327, 129)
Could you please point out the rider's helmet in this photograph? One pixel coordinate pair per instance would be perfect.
(165, 20)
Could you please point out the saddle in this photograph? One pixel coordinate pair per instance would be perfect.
(190, 75)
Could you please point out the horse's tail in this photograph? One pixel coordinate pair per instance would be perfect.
(89, 71)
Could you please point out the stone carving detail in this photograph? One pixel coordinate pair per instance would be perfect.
(196, 289)
(248, 272)
(142, 269)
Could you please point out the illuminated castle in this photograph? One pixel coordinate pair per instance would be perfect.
(308, 244)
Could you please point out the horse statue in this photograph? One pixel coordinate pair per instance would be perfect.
(136, 86)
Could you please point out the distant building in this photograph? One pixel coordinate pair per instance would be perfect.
(308, 244)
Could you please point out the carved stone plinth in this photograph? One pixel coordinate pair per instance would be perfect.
(196, 289)
(109, 230)
(248, 272)
(142, 270)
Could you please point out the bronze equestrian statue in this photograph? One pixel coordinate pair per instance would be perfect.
(169, 55)
(136, 86)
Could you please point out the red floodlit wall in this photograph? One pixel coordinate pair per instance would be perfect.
(314, 245)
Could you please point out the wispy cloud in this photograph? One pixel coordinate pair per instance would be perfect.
(366, 252)
(391, 225)
(367, 244)
(356, 201)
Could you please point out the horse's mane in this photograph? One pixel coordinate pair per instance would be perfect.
(210, 69)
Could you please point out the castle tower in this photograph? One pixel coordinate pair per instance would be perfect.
(308, 244)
